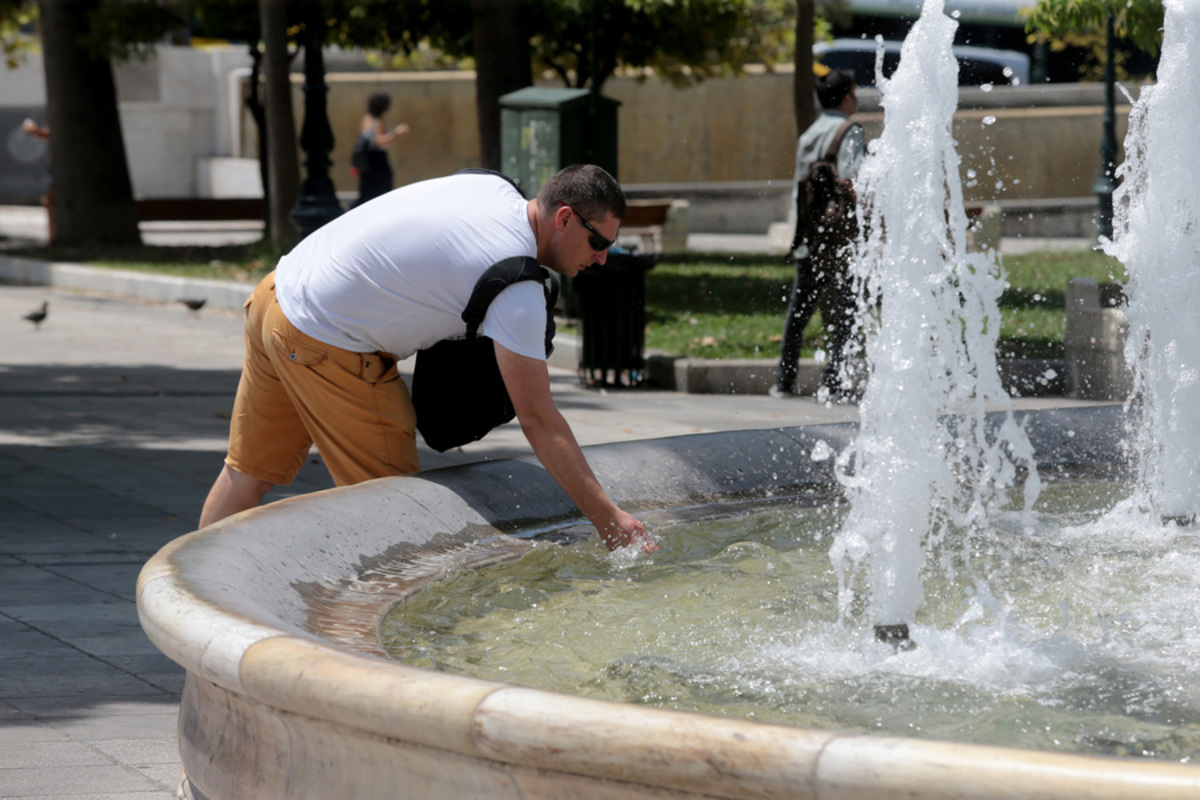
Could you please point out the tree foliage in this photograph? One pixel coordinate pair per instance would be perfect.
(1139, 21)
(584, 42)
(15, 17)
(681, 40)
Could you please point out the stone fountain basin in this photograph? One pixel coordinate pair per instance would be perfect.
(274, 614)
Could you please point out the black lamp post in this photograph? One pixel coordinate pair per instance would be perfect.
(318, 202)
(1106, 184)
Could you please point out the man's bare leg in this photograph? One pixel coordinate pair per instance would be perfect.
(232, 492)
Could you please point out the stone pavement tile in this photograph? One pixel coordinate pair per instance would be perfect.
(143, 752)
(159, 794)
(141, 534)
(17, 727)
(117, 647)
(62, 665)
(64, 753)
(28, 585)
(120, 580)
(45, 615)
(121, 471)
(19, 640)
(92, 637)
(26, 734)
(12, 509)
(170, 683)
(86, 503)
(21, 690)
(163, 774)
(49, 537)
(123, 557)
(31, 478)
(113, 780)
(48, 710)
(146, 665)
(34, 481)
(99, 725)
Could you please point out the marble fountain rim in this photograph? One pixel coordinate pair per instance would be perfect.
(242, 606)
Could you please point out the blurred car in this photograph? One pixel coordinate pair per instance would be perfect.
(976, 65)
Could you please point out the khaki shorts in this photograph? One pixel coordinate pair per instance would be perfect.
(296, 391)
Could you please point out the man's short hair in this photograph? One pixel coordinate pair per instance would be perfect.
(588, 189)
(833, 87)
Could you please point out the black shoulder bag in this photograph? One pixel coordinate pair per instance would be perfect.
(457, 390)
(825, 203)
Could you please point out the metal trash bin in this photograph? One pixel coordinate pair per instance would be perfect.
(612, 306)
(543, 129)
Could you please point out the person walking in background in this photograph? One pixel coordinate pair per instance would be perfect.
(370, 158)
(822, 270)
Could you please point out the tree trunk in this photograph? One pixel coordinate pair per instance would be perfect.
(803, 81)
(503, 61)
(92, 193)
(283, 170)
(258, 112)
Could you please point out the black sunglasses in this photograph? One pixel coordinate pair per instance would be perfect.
(595, 240)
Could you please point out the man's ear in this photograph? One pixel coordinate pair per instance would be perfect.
(562, 218)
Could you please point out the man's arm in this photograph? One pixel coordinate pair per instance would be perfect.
(528, 383)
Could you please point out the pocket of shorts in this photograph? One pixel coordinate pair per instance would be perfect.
(296, 352)
(378, 368)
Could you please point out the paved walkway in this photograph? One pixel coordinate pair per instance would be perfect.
(113, 418)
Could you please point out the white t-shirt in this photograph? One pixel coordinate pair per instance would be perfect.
(395, 274)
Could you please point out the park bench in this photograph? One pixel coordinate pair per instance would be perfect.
(645, 220)
(199, 209)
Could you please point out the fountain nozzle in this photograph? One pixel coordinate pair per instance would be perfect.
(896, 636)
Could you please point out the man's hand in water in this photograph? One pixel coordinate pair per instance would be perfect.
(624, 531)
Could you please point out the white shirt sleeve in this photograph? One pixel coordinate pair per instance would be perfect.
(517, 319)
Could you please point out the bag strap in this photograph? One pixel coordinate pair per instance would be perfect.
(499, 277)
(516, 184)
(836, 143)
(830, 156)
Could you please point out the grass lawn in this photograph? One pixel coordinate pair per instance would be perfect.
(718, 307)
(702, 306)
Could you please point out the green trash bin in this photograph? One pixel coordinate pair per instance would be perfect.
(612, 309)
(543, 129)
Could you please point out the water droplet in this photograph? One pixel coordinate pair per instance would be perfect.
(990, 119)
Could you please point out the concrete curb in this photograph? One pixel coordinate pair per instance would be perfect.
(227, 295)
(1021, 377)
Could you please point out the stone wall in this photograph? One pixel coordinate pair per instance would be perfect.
(739, 130)
(730, 139)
